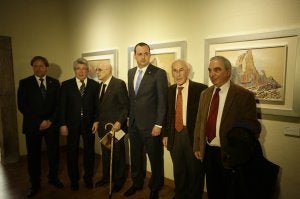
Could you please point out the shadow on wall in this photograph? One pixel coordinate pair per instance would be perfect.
(54, 70)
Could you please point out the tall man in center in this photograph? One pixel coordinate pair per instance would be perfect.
(148, 88)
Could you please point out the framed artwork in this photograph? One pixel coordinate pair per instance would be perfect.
(97, 58)
(266, 64)
(162, 55)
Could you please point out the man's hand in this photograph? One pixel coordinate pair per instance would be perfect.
(165, 141)
(198, 155)
(64, 130)
(116, 127)
(95, 127)
(45, 124)
(156, 131)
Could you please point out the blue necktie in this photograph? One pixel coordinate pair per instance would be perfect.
(138, 81)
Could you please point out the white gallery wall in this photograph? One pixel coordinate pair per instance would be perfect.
(63, 30)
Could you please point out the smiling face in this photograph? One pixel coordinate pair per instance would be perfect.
(218, 73)
(180, 72)
(39, 68)
(81, 71)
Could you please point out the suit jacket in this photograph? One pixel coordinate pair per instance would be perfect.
(239, 106)
(148, 107)
(115, 104)
(34, 108)
(71, 103)
(194, 92)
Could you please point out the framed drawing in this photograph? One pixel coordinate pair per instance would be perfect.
(97, 58)
(267, 64)
(162, 55)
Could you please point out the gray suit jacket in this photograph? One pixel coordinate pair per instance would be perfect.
(148, 107)
(240, 106)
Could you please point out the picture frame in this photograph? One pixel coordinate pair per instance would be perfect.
(267, 64)
(162, 55)
(96, 58)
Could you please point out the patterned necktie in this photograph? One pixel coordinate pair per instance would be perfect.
(178, 109)
(82, 88)
(43, 88)
(138, 81)
(102, 92)
(212, 117)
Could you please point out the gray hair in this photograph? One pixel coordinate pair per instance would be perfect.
(226, 62)
(80, 61)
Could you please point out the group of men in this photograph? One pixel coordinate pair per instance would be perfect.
(188, 118)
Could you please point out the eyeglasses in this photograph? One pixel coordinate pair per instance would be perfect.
(100, 70)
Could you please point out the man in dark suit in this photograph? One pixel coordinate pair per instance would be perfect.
(148, 88)
(38, 102)
(79, 117)
(183, 101)
(234, 104)
(113, 108)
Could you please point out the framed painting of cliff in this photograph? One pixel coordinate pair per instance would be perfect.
(266, 64)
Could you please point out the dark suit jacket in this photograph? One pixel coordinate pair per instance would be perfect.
(239, 105)
(148, 107)
(194, 92)
(71, 102)
(32, 105)
(114, 105)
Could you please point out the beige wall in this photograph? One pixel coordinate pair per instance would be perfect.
(88, 26)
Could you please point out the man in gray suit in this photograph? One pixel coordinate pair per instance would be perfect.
(148, 87)
(113, 108)
(235, 105)
(188, 171)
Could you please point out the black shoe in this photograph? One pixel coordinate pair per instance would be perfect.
(56, 183)
(89, 184)
(74, 186)
(132, 190)
(32, 191)
(116, 188)
(101, 183)
(154, 195)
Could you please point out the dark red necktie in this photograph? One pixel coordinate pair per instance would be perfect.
(178, 109)
(212, 117)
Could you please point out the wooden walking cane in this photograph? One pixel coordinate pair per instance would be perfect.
(111, 158)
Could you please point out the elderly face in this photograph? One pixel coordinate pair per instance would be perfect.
(217, 73)
(81, 71)
(142, 56)
(180, 72)
(39, 68)
(103, 72)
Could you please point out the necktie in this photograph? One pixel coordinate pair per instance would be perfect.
(212, 117)
(102, 92)
(43, 88)
(138, 81)
(178, 109)
(82, 88)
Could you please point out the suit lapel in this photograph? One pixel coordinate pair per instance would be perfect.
(146, 77)
(108, 89)
(228, 102)
(131, 74)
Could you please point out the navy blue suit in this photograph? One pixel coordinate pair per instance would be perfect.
(147, 108)
(71, 104)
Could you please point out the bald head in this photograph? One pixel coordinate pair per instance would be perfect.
(104, 71)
